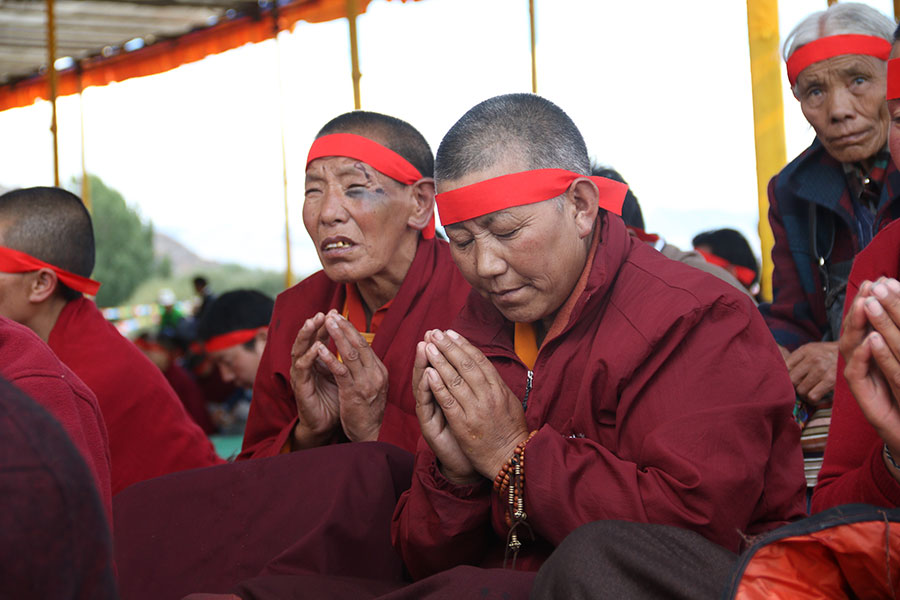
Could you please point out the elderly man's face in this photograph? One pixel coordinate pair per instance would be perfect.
(843, 99)
(356, 217)
(526, 259)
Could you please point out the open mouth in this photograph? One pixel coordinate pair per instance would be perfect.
(336, 244)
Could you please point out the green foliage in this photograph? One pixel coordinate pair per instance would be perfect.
(124, 244)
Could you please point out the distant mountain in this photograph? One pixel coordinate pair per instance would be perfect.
(184, 261)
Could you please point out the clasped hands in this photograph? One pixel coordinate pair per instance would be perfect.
(349, 393)
(870, 345)
(469, 416)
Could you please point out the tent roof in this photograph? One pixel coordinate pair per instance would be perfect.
(113, 40)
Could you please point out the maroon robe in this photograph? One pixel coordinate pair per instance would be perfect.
(324, 511)
(56, 541)
(28, 363)
(150, 434)
(431, 295)
(853, 469)
(663, 399)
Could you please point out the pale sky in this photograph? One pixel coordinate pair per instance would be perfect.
(659, 89)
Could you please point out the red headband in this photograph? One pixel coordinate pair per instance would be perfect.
(13, 261)
(373, 154)
(893, 79)
(835, 45)
(517, 189)
(232, 338)
(742, 274)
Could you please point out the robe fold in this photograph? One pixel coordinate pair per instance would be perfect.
(29, 364)
(431, 295)
(323, 511)
(662, 399)
(150, 434)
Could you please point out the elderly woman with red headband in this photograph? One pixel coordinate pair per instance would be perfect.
(861, 459)
(338, 361)
(588, 377)
(828, 203)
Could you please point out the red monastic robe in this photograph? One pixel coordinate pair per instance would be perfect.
(150, 434)
(29, 364)
(661, 399)
(430, 297)
(853, 469)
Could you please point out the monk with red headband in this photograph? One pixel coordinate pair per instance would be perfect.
(46, 259)
(338, 361)
(828, 203)
(588, 378)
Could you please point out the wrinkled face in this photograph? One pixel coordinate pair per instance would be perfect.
(525, 260)
(843, 99)
(356, 217)
(238, 364)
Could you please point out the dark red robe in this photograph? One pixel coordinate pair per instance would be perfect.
(28, 363)
(56, 541)
(430, 297)
(853, 470)
(150, 434)
(663, 399)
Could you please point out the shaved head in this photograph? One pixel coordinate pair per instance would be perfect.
(51, 225)
(521, 127)
(390, 132)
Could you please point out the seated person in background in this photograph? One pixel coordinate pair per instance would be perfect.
(338, 361)
(234, 331)
(29, 364)
(860, 463)
(204, 295)
(728, 249)
(827, 204)
(47, 247)
(163, 352)
(634, 221)
(56, 541)
(637, 388)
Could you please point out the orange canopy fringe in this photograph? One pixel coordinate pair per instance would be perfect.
(168, 54)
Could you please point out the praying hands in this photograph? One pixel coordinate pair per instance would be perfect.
(870, 345)
(350, 391)
(469, 416)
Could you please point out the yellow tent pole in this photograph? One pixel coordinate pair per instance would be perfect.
(85, 182)
(288, 273)
(51, 77)
(533, 52)
(768, 117)
(352, 12)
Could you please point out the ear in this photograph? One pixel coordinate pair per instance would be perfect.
(261, 337)
(422, 193)
(42, 285)
(584, 198)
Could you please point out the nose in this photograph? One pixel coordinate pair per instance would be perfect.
(489, 261)
(842, 104)
(332, 208)
(226, 373)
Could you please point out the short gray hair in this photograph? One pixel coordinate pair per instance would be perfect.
(525, 126)
(839, 19)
